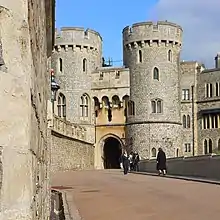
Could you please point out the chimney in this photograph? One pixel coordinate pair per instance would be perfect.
(217, 61)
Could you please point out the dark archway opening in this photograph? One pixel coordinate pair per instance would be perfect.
(112, 153)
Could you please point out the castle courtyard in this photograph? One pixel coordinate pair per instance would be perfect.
(108, 195)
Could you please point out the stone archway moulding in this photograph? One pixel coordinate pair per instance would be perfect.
(101, 142)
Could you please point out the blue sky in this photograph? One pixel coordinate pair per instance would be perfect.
(106, 17)
(199, 19)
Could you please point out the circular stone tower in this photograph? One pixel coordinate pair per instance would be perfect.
(152, 53)
(77, 53)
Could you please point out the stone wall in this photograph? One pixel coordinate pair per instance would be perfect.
(70, 154)
(71, 146)
(206, 166)
(23, 120)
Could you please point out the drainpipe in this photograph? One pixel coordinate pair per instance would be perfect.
(193, 124)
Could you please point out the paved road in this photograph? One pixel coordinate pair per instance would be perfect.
(109, 195)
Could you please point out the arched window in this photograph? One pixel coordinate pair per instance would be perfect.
(177, 152)
(84, 65)
(61, 106)
(170, 55)
(131, 108)
(60, 64)
(159, 106)
(153, 106)
(96, 106)
(140, 56)
(115, 101)
(84, 106)
(217, 89)
(156, 73)
(156, 106)
(188, 121)
(184, 121)
(153, 152)
(205, 147)
(210, 146)
(125, 104)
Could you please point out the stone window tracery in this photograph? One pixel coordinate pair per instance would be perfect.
(156, 106)
(156, 73)
(209, 90)
(61, 106)
(84, 106)
(186, 121)
(185, 94)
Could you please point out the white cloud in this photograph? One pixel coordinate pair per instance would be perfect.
(201, 24)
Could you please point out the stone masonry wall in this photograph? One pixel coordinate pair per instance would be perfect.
(206, 166)
(147, 46)
(23, 118)
(70, 154)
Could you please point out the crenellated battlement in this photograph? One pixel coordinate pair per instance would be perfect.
(74, 38)
(152, 34)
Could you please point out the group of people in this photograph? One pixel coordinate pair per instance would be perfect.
(131, 162)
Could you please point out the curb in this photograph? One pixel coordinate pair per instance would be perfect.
(70, 210)
(193, 179)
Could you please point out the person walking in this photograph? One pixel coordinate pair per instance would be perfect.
(125, 162)
(161, 162)
(136, 161)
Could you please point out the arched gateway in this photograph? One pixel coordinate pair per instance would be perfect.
(111, 151)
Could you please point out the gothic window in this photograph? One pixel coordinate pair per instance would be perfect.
(185, 94)
(60, 64)
(210, 90)
(117, 76)
(219, 144)
(177, 152)
(125, 104)
(205, 147)
(170, 55)
(217, 89)
(153, 152)
(61, 106)
(84, 106)
(156, 73)
(96, 106)
(210, 146)
(131, 108)
(84, 65)
(115, 101)
(140, 56)
(156, 106)
(188, 121)
(184, 121)
(187, 147)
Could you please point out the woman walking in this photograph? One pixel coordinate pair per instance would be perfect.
(161, 162)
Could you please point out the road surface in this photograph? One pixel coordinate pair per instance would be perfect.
(110, 195)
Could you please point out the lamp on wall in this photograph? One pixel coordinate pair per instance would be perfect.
(54, 88)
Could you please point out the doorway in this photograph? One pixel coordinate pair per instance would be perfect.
(112, 152)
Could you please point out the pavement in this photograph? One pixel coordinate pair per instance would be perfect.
(110, 195)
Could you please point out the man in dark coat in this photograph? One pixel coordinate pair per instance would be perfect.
(161, 162)
(136, 161)
(125, 162)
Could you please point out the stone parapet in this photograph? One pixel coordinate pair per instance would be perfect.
(69, 129)
(204, 166)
